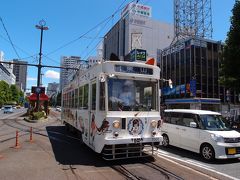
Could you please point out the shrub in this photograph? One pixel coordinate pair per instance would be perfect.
(38, 115)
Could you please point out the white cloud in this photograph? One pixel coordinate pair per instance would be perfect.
(31, 79)
(52, 74)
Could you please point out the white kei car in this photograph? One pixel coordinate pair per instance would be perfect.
(200, 131)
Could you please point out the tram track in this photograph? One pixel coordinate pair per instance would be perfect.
(163, 171)
(126, 173)
(143, 170)
(169, 174)
(133, 171)
(23, 128)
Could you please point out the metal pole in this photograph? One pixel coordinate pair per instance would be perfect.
(42, 27)
(39, 69)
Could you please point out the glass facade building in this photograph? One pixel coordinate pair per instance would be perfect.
(193, 66)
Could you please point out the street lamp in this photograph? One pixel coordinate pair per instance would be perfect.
(42, 27)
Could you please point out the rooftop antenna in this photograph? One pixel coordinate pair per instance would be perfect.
(192, 18)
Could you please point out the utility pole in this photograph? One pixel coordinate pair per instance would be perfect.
(41, 84)
(42, 27)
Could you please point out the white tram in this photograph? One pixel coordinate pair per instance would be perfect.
(115, 105)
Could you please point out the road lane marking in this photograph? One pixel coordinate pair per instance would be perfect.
(193, 163)
(163, 152)
(200, 164)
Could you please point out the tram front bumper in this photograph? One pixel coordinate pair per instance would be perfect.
(157, 140)
(132, 147)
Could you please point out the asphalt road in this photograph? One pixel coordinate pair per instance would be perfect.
(229, 168)
(58, 154)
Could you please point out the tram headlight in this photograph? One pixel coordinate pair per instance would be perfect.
(115, 134)
(154, 133)
(153, 123)
(116, 124)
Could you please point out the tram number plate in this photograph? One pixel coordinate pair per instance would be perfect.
(137, 140)
(155, 139)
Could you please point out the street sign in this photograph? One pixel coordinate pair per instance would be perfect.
(38, 90)
(138, 55)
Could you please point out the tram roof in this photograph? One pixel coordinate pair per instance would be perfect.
(109, 67)
(118, 68)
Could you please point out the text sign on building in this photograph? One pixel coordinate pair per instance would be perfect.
(132, 69)
(138, 55)
(193, 87)
(137, 9)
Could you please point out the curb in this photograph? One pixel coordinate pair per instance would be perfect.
(35, 120)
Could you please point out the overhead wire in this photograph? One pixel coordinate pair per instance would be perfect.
(4, 27)
(112, 18)
(72, 41)
(65, 45)
(91, 29)
(96, 36)
(24, 58)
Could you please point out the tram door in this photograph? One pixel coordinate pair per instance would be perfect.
(92, 113)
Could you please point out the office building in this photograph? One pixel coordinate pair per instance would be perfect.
(6, 71)
(66, 75)
(137, 30)
(193, 66)
(20, 71)
(53, 88)
(6, 76)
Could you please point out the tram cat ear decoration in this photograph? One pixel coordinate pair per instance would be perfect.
(102, 77)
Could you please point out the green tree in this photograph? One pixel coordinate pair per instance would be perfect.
(21, 96)
(15, 94)
(5, 94)
(230, 74)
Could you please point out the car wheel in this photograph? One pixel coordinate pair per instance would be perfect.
(207, 152)
(165, 142)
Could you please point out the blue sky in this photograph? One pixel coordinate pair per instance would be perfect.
(69, 19)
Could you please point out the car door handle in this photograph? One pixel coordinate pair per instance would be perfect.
(177, 128)
(184, 129)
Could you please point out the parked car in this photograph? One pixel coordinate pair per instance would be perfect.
(8, 109)
(18, 107)
(58, 108)
(202, 132)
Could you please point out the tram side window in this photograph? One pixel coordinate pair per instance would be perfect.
(85, 97)
(72, 104)
(68, 99)
(76, 98)
(80, 97)
(102, 96)
(93, 96)
(65, 100)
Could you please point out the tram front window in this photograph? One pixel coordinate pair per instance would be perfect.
(132, 95)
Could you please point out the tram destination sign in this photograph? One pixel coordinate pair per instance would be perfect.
(132, 69)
